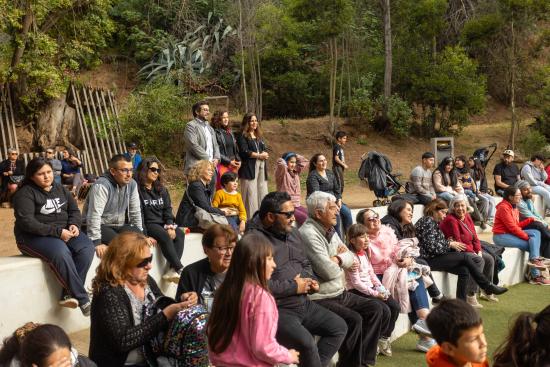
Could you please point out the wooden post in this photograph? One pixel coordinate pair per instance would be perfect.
(83, 128)
(103, 123)
(119, 132)
(12, 118)
(2, 126)
(93, 114)
(112, 126)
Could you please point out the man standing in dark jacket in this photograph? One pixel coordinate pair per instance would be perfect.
(292, 280)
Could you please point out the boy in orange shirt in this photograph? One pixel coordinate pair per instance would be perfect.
(458, 330)
(230, 201)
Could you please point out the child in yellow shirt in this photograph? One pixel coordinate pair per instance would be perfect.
(231, 201)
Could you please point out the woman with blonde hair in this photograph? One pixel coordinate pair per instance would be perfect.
(122, 289)
(198, 194)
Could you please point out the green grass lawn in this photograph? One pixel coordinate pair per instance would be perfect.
(496, 319)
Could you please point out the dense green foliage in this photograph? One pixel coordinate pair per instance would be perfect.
(156, 116)
(296, 58)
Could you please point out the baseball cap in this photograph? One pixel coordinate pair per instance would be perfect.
(132, 146)
(509, 152)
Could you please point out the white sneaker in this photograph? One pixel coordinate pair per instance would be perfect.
(472, 301)
(68, 302)
(384, 347)
(488, 297)
(421, 328)
(171, 276)
(424, 345)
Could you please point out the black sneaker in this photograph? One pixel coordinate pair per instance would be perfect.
(435, 301)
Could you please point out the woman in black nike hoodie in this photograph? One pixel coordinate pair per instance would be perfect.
(47, 226)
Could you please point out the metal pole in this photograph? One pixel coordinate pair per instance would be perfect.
(82, 124)
(98, 142)
(111, 122)
(12, 118)
(103, 127)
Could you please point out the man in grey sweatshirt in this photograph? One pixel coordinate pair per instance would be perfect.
(112, 205)
(329, 257)
(534, 173)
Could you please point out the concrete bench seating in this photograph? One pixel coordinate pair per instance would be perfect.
(30, 291)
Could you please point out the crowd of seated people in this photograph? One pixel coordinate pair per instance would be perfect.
(281, 282)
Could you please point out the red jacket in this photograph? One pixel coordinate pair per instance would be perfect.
(436, 358)
(507, 221)
(461, 231)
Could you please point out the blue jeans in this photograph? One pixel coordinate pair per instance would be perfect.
(544, 194)
(417, 298)
(447, 196)
(69, 261)
(343, 221)
(532, 245)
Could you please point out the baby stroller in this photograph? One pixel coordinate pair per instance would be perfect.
(376, 170)
(483, 155)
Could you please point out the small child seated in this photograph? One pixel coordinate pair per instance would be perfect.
(458, 330)
(364, 282)
(230, 201)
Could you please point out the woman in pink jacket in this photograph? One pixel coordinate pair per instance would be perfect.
(243, 323)
(287, 178)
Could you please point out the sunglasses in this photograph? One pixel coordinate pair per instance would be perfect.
(288, 215)
(155, 170)
(49, 152)
(145, 262)
(374, 218)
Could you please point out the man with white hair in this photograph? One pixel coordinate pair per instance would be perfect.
(329, 256)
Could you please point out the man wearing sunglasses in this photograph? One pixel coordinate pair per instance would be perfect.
(292, 281)
(112, 205)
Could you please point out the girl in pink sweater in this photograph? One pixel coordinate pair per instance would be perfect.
(287, 178)
(364, 282)
(243, 323)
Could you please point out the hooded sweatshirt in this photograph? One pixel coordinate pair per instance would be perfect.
(436, 358)
(110, 204)
(534, 175)
(44, 213)
(156, 206)
(507, 221)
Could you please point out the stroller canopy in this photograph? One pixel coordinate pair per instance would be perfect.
(375, 168)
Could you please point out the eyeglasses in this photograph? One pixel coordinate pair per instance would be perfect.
(288, 215)
(155, 169)
(223, 250)
(145, 262)
(13, 153)
(49, 152)
(124, 170)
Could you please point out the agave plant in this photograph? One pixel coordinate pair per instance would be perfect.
(193, 54)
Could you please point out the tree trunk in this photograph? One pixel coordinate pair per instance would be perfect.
(333, 50)
(21, 42)
(57, 125)
(260, 99)
(243, 73)
(387, 48)
(515, 126)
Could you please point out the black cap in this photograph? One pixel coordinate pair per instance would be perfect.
(132, 146)
(428, 155)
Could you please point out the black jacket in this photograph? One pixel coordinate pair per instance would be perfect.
(113, 333)
(316, 182)
(42, 213)
(202, 197)
(5, 166)
(156, 207)
(228, 146)
(193, 277)
(248, 146)
(394, 224)
(290, 259)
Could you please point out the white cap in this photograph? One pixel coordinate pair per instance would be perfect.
(509, 152)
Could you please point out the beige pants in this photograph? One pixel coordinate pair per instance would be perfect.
(253, 191)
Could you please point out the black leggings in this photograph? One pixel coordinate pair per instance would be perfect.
(172, 249)
(394, 307)
(463, 264)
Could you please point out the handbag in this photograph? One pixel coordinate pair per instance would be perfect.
(16, 179)
(205, 218)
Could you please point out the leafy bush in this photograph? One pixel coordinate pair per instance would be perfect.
(532, 142)
(360, 108)
(155, 117)
(398, 113)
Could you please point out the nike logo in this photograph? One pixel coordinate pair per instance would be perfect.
(52, 206)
